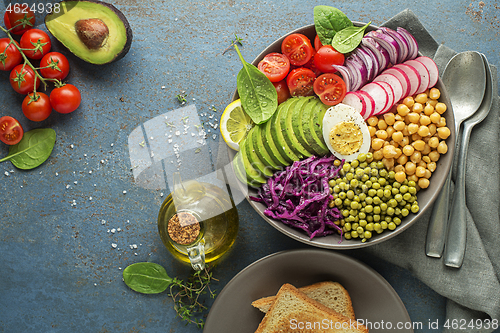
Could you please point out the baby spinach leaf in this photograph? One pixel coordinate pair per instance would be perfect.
(258, 95)
(349, 38)
(328, 21)
(34, 148)
(146, 278)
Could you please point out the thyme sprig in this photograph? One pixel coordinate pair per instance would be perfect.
(236, 40)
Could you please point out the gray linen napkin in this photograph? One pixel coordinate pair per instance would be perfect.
(473, 291)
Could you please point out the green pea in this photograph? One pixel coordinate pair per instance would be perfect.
(380, 193)
(362, 157)
(364, 178)
(363, 223)
(338, 202)
(403, 189)
(354, 163)
(396, 184)
(362, 196)
(397, 220)
(383, 206)
(360, 230)
(412, 190)
(331, 182)
(347, 202)
(354, 205)
(387, 193)
(382, 181)
(388, 219)
(377, 226)
(394, 191)
(369, 200)
(377, 201)
(354, 183)
(383, 224)
(398, 197)
(415, 208)
(347, 226)
(376, 218)
(346, 167)
(342, 195)
(376, 185)
(376, 210)
(374, 179)
(354, 234)
(369, 208)
(369, 227)
(347, 236)
(411, 183)
(392, 203)
(345, 213)
(380, 165)
(375, 171)
(391, 226)
(390, 211)
(383, 173)
(369, 218)
(363, 165)
(349, 176)
(392, 174)
(369, 157)
(368, 234)
(405, 212)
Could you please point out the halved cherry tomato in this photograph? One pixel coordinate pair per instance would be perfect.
(11, 132)
(19, 16)
(297, 48)
(275, 65)
(300, 82)
(330, 88)
(10, 56)
(22, 79)
(60, 63)
(36, 42)
(37, 108)
(282, 90)
(317, 43)
(327, 57)
(65, 99)
(312, 66)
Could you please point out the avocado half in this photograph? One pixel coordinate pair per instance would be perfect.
(94, 31)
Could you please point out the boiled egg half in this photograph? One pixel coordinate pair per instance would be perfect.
(345, 132)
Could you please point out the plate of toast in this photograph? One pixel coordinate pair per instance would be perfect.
(308, 290)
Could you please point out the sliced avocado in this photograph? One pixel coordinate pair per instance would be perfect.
(253, 158)
(239, 168)
(270, 145)
(318, 114)
(277, 133)
(296, 123)
(287, 128)
(94, 31)
(253, 176)
(260, 150)
(308, 119)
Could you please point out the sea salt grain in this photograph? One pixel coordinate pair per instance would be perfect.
(114, 245)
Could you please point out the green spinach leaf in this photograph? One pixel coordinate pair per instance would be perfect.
(328, 21)
(349, 38)
(258, 95)
(147, 278)
(34, 148)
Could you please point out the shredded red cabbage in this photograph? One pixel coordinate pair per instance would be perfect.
(299, 195)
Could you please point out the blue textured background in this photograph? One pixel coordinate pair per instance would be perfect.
(58, 270)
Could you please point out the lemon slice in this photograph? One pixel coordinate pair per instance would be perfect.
(235, 124)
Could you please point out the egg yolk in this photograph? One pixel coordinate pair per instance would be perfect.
(346, 138)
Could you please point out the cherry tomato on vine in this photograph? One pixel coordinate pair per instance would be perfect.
(19, 16)
(275, 65)
(10, 56)
(300, 82)
(330, 88)
(11, 132)
(317, 43)
(37, 107)
(327, 57)
(297, 48)
(37, 42)
(22, 79)
(282, 90)
(65, 99)
(58, 66)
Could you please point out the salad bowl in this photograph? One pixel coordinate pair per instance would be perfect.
(425, 197)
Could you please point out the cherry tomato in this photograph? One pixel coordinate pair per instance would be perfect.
(37, 42)
(326, 58)
(37, 108)
(10, 56)
(297, 48)
(19, 16)
(275, 65)
(330, 88)
(300, 82)
(312, 66)
(60, 63)
(11, 132)
(65, 99)
(282, 90)
(317, 43)
(22, 79)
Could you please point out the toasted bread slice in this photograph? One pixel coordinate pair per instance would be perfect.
(328, 293)
(293, 311)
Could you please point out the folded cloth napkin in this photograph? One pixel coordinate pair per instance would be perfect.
(473, 291)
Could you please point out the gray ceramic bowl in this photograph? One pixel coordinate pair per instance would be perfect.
(425, 197)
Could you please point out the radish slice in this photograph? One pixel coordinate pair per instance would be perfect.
(432, 68)
(394, 82)
(379, 95)
(402, 77)
(357, 102)
(423, 72)
(369, 102)
(390, 95)
(413, 76)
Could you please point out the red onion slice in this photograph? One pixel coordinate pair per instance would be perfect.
(388, 43)
(381, 53)
(374, 59)
(346, 75)
(368, 63)
(400, 40)
(412, 42)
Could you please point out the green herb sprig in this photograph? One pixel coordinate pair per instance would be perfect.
(236, 40)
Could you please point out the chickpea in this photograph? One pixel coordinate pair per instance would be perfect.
(413, 117)
(432, 129)
(423, 131)
(399, 168)
(372, 130)
(423, 183)
(382, 125)
(399, 125)
(426, 159)
(399, 152)
(428, 109)
(394, 143)
(442, 147)
(389, 151)
(389, 118)
(427, 150)
(403, 109)
(413, 178)
(434, 117)
(405, 131)
(416, 137)
(377, 143)
(417, 107)
(408, 101)
(398, 117)
(433, 142)
(388, 163)
(378, 155)
(420, 171)
(410, 168)
(432, 102)
(400, 176)
(425, 120)
(397, 136)
(408, 150)
(440, 107)
(412, 128)
(442, 122)
(434, 93)
(402, 159)
(372, 121)
(421, 98)
(381, 134)
(405, 141)
(416, 157)
(434, 156)
(418, 145)
(443, 132)
(427, 174)
(390, 130)
(431, 166)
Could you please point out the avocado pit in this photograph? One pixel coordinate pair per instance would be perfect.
(93, 32)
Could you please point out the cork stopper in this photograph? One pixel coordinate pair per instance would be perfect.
(183, 228)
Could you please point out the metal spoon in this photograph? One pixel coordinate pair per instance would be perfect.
(465, 80)
(457, 235)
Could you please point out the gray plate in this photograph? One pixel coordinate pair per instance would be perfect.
(425, 197)
(373, 298)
